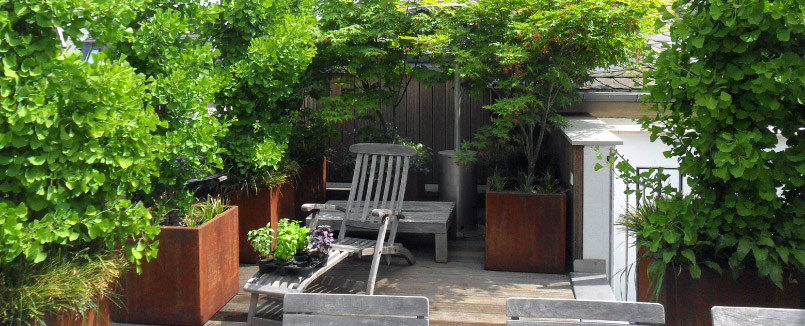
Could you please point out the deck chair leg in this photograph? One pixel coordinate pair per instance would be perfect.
(252, 309)
(381, 237)
(405, 253)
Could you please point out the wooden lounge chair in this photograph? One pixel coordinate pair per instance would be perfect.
(375, 202)
(590, 312)
(745, 316)
(353, 309)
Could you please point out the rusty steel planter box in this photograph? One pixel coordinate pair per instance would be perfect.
(91, 317)
(687, 301)
(259, 208)
(194, 275)
(525, 232)
(310, 187)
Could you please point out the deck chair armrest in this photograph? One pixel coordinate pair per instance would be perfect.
(312, 207)
(386, 212)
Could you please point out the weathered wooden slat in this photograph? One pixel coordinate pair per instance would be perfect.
(638, 312)
(355, 304)
(398, 207)
(382, 149)
(330, 320)
(367, 200)
(749, 316)
(396, 185)
(389, 170)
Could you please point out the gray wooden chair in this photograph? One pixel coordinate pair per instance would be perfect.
(745, 316)
(590, 312)
(308, 309)
(375, 202)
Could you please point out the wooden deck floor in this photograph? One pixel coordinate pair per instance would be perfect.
(461, 292)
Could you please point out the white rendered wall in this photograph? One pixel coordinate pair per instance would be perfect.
(597, 207)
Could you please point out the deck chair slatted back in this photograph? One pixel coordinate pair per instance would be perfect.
(353, 309)
(746, 316)
(378, 182)
(584, 310)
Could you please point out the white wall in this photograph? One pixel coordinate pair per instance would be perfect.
(597, 207)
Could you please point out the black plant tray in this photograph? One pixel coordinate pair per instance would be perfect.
(296, 266)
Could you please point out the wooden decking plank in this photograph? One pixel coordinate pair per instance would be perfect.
(458, 291)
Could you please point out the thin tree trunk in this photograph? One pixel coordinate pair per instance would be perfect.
(544, 122)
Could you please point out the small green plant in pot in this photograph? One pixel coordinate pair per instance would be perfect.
(290, 241)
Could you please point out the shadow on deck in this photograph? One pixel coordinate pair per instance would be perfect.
(461, 292)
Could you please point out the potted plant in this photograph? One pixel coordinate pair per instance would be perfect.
(289, 254)
(321, 239)
(195, 273)
(531, 55)
(728, 113)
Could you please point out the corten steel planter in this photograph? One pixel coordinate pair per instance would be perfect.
(687, 301)
(525, 232)
(91, 317)
(194, 275)
(310, 187)
(259, 208)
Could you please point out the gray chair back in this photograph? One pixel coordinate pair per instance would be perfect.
(583, 312)
(378, 182)
(747, 316)
(302, 309)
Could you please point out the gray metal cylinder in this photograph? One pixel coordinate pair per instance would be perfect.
(458, 184)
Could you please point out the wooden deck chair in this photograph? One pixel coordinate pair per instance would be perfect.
(375, 201)
(304, 309)
(746, 316)
(589, 312)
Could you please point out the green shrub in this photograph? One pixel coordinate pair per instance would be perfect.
(66, 282)
(75, 137)
(169, 45)
(265, 48)
(727, 85)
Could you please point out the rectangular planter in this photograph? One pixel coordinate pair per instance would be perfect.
(92, 317)
(194, 275)
(310, 187)
(688, 301)
(526, 232)
(259, 208)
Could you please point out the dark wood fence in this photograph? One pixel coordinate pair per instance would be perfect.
(425, 116)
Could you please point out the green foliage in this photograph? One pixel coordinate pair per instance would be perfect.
(75, 137)
(261, 239)
(265, 47)
(729, 83)
(65, 283)
(497, 182)
(370, 48)
(534, 54)
(290, 237)
(205, 211)
(169, 45)
(310, 137)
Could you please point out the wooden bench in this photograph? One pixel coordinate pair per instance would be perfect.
(429, 217)
(354, 309)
